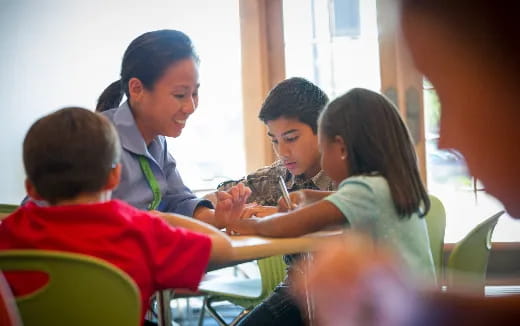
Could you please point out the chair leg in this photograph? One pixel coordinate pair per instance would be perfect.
(202, 310)
(213, 313)
(188, 309)
(163, 308)
(239, 317)
(151, 312)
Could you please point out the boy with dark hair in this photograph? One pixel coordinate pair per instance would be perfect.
(295, 98)
(71, 158)
(290, 112)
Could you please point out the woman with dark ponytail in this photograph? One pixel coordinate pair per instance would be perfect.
(111, 97)
(159, 76)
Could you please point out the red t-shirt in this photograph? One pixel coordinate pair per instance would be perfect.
(156, 255)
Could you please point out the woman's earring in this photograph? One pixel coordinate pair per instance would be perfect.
(343, 157)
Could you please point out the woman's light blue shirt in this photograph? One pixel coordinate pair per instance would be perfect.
(134, 188)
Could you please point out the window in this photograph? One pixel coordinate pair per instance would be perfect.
(333, 43)
(345, 18)
(59, 53)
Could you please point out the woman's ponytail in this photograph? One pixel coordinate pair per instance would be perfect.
(111, 97)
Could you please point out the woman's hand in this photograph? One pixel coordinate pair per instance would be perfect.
(239, 193)
(230, 204)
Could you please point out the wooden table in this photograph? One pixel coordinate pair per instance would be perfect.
(247, 248)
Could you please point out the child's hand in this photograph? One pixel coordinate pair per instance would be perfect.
(245, 226)
(258, 211)
(302, 198)
(297, 199)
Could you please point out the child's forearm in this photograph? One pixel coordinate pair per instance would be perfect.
(221, 249)
(305, 220)
(189, 223)
(207, 216)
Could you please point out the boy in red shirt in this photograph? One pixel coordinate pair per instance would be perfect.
(71, 158)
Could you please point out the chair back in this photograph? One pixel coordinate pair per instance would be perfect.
(272, 272)
(436, 223)
(6, 209)
(467, 264)
(81, 290)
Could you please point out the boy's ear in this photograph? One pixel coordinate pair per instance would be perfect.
(31, 190)
(342, 147)
(135, 88)
(113, 178)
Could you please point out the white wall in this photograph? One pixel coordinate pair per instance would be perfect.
(56, 53)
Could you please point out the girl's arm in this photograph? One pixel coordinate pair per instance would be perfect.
(258, 211)
(307, 219)
(221, 250)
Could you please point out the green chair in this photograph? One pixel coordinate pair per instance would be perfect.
(467, 264)
(246, 293)
(436, 223)
(81, 290)
(6, 209)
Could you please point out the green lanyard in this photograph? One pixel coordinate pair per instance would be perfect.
(152, 182)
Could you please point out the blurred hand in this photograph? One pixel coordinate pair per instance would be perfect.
(353, 282)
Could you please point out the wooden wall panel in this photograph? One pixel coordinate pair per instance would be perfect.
(400, 81)
(263, 66)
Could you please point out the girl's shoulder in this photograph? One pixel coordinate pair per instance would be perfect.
(374, 187)
(372, 181)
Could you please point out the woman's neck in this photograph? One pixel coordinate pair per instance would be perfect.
(146, 132)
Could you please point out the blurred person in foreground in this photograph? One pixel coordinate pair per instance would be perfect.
(469, 51)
